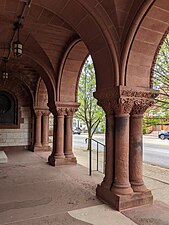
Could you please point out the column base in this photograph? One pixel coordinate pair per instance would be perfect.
(46, 148)
(37, 148)
(122, 189)
(71, 161)
(122, 202)
(138, 187)
(53, 161)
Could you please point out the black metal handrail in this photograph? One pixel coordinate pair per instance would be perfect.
(90, 153)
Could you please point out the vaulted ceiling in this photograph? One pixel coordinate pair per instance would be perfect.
(50, 27)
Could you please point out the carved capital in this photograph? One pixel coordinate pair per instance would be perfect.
(38, 113)
(63, 108)
(70, 111)
(61, 111)
(141, 105)
(122, 105)
(46, 113)
(123, 100)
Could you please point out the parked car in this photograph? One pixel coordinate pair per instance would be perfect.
(77, 130)
(164, 135)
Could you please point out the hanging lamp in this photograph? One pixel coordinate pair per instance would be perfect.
(4, 72)
(17, 45)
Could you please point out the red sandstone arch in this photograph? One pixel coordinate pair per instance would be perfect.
(19, 90)
(45, 75)
(70, 70)
(144, 43)
(41, 97)
(93, 32)
(32, 49)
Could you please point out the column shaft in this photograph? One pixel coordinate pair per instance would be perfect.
(121, 183)
(38, 130)
(136, 153)
(45, 130)
(59, 137)
(109, 155)
(68, 137)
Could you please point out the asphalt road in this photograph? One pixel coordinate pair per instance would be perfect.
(155, 151)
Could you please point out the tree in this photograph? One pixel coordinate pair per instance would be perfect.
(89, 112)
(161, 76)
(160, 82)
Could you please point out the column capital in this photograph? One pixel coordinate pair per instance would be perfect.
(38, 112)
(46, 113)
(63, 108)
(122, 99)
(70, 111)
(60, 111)
(141, 105)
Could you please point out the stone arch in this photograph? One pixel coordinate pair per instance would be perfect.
(156, 55)
(94, 33)
(23, 105)
(70, 70)
(144, 42)
(45, 75)
(41, 98)
(41, 110)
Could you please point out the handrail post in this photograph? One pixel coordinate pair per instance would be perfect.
(90, 153)
(104, 160)
(97, 158)
(90, 157)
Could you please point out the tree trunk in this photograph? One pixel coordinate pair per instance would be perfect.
(89, 139)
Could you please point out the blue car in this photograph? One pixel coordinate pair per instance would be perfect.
(164, 135)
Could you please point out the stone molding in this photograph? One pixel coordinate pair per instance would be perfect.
(123, 99)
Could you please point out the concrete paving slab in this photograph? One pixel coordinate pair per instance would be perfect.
(32, 192)
(30, 189)
(57, 219)
(101, 215)
(156, 214)
(3, 157)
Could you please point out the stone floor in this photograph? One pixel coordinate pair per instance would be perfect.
(34, 193)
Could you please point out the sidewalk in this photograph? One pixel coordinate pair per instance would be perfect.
(34, 193)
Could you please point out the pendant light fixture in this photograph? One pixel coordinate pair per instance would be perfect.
(17, 45)
(4, 72)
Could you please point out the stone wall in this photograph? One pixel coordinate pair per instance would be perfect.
(21, 136)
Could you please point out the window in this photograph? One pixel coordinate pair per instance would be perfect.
(8, 111)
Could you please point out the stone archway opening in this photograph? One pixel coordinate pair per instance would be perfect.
(155, 121)
(89, 121)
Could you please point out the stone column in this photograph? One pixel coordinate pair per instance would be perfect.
(136, 151)
(57, 156)
(109, 154)
(116, 188)
(38, 144)
(69, 156)
(121, 185)
(45, 131)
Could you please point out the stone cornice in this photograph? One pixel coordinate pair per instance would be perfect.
(124, 91)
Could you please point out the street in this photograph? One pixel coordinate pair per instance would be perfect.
(155, 151)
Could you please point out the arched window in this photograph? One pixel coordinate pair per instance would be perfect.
(8, 110)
